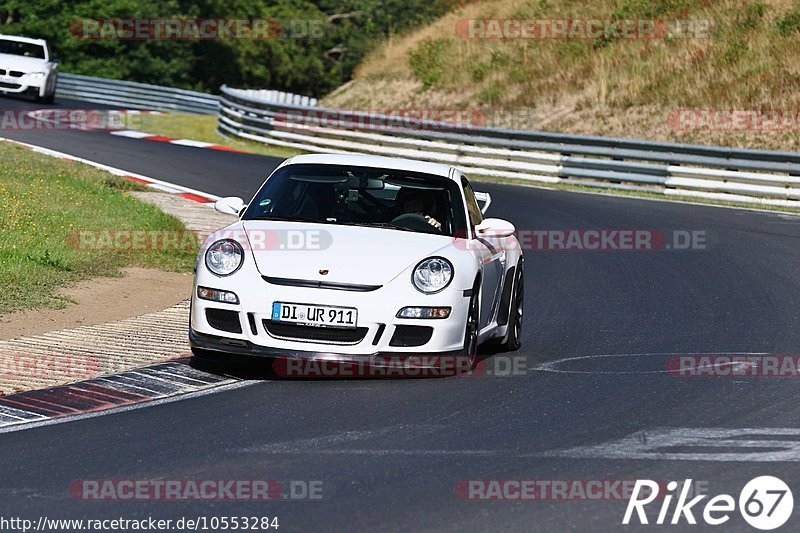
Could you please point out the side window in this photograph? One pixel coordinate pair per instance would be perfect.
(475, 215)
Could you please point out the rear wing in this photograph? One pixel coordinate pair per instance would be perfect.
(485, 198)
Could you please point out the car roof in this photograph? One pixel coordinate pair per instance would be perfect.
(363, 160)
(23, 39)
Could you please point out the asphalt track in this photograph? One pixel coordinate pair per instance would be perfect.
(390, 453)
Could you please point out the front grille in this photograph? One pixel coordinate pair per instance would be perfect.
(407, 336)
(8, 85)
(2, 72)
(297, 332)
(224, 320)
(290, 282)
(15, 74)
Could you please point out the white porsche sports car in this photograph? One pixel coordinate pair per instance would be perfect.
(27, 68)
(354, 258)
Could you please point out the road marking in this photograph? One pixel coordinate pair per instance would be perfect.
(553, 366)
(134, 134)
(695, 444)
(186, 192)
(195, 144)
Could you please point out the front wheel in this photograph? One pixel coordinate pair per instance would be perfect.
(49, 92)
(512, 340)
(471, 330)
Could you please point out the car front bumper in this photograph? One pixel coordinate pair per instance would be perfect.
(249, 328)
(23, 85)
(216, 343)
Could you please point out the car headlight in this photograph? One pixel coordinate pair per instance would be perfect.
(432, 275)
(37, 75)
(224, 257)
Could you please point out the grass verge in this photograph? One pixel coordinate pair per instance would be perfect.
(202, 128)
(45, 202)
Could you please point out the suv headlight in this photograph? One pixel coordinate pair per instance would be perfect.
(432, 275)
(224, 257)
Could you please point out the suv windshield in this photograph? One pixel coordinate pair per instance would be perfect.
(18, 48)
(337, 194)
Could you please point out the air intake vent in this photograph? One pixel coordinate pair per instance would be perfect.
(315, 334)
(224, 320)
(408, 336)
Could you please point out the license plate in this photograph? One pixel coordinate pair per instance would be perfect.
(315, 315)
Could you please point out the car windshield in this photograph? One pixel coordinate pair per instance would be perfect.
(346, 195)
(19, 48)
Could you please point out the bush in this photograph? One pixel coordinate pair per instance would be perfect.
(427, 60)
(789, 23)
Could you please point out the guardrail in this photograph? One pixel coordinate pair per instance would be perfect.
(132, 95)
(722, 174)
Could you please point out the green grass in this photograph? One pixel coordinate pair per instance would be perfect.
(45, 202)
(202, 128)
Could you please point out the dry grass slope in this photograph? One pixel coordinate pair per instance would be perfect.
(616, 87)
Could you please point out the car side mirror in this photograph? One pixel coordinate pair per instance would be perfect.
(230, 205)
(495, 228)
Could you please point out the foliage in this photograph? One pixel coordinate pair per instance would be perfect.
(314, 48)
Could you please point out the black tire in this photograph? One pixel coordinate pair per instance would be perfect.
(472, 327)
(515, 312)
(49, 93)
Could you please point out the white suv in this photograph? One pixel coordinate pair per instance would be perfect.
(27, 68)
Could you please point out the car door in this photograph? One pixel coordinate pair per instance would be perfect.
(492, 258)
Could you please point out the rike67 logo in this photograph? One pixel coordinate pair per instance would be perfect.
(765, 503)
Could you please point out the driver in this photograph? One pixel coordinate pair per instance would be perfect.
(417, 202)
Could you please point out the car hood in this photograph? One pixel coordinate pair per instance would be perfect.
(349, 254)
(22, 63)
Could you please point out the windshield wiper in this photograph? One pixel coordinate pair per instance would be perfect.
(290, 219)
(387, 225)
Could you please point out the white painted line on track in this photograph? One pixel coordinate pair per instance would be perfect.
(195, 144)
(151, 182)
(695, 444)
(133, 134)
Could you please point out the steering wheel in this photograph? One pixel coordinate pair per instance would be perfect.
(414, 221)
